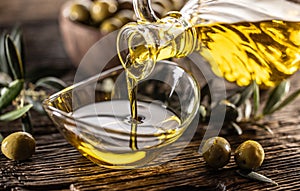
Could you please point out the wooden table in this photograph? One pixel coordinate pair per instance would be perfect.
(58, 166)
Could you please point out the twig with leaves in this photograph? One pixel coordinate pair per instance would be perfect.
(246, 107)
(18, 95)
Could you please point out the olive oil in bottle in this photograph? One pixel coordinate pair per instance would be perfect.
(242, 42)
(264, 51)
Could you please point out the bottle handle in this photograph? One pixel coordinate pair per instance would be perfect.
(144, 11)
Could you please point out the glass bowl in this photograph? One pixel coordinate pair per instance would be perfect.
(94, 115)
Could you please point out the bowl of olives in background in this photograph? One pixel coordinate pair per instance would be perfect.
(84, 22)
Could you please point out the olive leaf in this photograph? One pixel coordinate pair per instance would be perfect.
(276, 96)
(13, 58)
(11, 92)
(1, 138)
(26, 122)
(15, 114)
(247, 109)
(256, 98)
(37, 104)
(237, 128)
(234, 99)
(256, 176)
(245, 94)
(285, 102)
(266, 127)
(17, 37)
(203, 112)
(51, 83)
(3, 62)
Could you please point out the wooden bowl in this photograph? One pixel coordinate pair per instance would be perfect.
(77, 37)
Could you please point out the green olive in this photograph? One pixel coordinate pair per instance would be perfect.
(18, 146)
(216, 152)
(101, 10)
(110, 25)
(249, 155)
(125, 4)
(125, 16)
(79, 12)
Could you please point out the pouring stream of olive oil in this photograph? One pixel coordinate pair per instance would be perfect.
(166, 126)
(266, 51)
(132, 86)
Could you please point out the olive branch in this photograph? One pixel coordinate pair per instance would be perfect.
(245, 107)
(18, 95)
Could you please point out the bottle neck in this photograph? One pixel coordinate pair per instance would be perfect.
(171, 36)
(177, 37)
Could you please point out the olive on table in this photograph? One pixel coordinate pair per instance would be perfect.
(18, 146)
(216, 152)
(79, 12)
(249, 155)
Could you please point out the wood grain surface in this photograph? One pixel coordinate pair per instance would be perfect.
(58, 166)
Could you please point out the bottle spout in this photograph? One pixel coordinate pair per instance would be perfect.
(141, 44)
(144, 11)
(136, 46)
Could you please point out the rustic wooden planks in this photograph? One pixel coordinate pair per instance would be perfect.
(58, 166)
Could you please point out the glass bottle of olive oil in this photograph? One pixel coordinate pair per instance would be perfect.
(243, 40)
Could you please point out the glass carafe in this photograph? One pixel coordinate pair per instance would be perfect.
(243, 40)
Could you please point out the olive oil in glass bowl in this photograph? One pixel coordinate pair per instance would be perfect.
(94, 115)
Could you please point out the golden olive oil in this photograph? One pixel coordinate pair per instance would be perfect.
(107, 135)
(138, 117)
(265, 51)
(132, 86)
